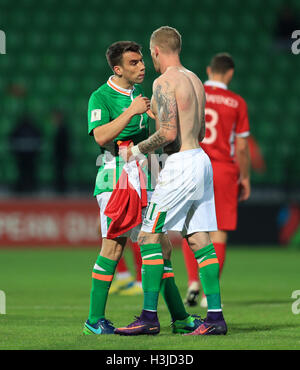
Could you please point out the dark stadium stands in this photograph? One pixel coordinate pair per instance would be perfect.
(56, 50)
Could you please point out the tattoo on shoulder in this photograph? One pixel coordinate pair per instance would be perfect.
(166, 107)
(166, 103)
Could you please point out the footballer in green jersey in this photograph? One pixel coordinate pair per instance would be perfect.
(106, 104)
(116, 112)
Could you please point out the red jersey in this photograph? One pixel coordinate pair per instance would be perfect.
(226, 117)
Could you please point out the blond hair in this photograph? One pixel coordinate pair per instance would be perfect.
(167, 38)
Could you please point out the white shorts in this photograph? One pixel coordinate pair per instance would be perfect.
(102, 200)
(183, 199)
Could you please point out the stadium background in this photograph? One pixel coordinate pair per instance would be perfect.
(55, 58)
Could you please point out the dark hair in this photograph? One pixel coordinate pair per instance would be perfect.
(115, 52)
(221, 63)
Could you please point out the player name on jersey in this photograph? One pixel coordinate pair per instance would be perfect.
(220, 99)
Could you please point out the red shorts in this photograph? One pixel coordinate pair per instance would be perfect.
(226, 178)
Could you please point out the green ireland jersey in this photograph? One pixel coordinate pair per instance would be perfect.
(107, 103)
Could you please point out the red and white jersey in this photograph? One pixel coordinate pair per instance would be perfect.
(226, 117)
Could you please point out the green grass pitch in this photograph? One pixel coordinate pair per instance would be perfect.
(47, 298)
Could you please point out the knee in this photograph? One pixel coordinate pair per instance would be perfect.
(147, 238)
(111, 250)
(142, 239)
(192, 244)
(198, 240)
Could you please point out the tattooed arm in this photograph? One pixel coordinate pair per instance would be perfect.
(166, 116)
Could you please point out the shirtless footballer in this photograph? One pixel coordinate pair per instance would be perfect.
(183, 199)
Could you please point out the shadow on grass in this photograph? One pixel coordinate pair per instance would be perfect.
(258, 302)
(243, 328)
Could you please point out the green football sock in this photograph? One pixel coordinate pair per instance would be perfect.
(152, 270)
(103, 273)
(209, 276)
(171, 293)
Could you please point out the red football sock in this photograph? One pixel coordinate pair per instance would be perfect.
(122, 266)
(190, 262)
(137, 261)
(220, 249)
